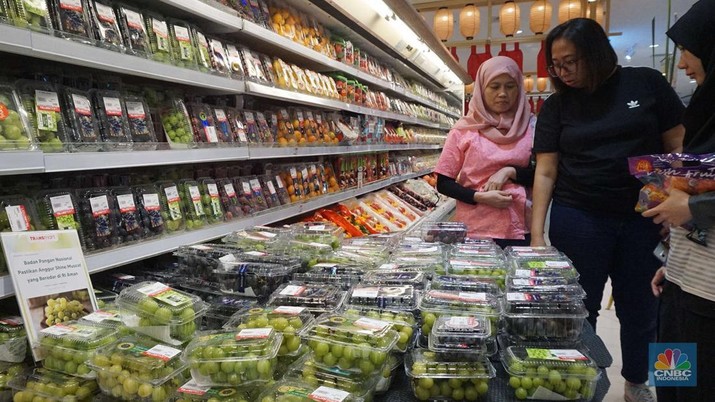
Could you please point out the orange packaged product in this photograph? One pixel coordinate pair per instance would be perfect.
(283, 128)
(331, 179)
(294, 185)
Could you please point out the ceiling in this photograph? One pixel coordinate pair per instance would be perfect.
(631, 18)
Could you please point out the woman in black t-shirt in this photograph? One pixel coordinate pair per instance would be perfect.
(600, 115)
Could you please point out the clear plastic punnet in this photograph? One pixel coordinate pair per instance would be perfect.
(545, 286)
(463, 334)
(307, 370)
(17, 214)
(318, 232)
(211, 200)
(229, 199)
(544, 267)
(68, 346)
(485, 268)
(130, 225)
(106, 25)
(134, 32)
(444, 232)
(177, 124)
(318, 298)
(79, 110)
(15, 126)
(435, 303)
(9, 372)
(47, 385)
(354, 343)
(190, 193)
(551, 374)
(113, 122)
(466, 284)
(401, 297)
(71, 19)
(158, 38)
(414, 278)
(287, 320)
(141, 126)
(44, 111)
(161, 312)
(137, 368)
(257, 238)
(98, 214)
(192, 392)
(532, 252)
(250, 354)
(544, 316)
(171, 203)
(184, 51)
(403, 322)
(13, 339)
(300, 391)
(58, 210)
(450, 377)
(151, 211)
(340, 275)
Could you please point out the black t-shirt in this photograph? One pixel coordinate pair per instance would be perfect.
(594, 135)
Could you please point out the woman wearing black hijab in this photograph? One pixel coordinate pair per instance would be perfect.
(687, 285)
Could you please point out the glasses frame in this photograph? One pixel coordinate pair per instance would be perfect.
(570, 66)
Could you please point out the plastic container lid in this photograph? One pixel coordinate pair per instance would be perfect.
(469, 334)
(343, 276)
(287, 320)
(307, 370)
(571, 362)
(466, 283)
(317, 298)
(399, 297)
(543, 305)
(448, 301)
(191, 391)
(13, 339)
(300, 391)
(402, 321)
(528, 252)
(67, 346)
(543, 268)
(155, 299)
(413, 278)
(422, 363)
(361, 333)
(444, 232)
(52, 386)
(252, 348)
(545, 285)
(257, 238)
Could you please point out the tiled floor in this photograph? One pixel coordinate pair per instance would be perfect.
(608, 329)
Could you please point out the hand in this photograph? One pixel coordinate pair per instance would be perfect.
(673, 211)
(656, 284)
(498, 179)
(537, 241)
(494, 198)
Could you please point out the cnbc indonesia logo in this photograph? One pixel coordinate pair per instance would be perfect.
(673, 366)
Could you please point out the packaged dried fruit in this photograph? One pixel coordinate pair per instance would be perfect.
(112, 114)
(141, 126)
(171, 202)
(177, 124)
(151, 210)
(182, 46)
(71, 18)
(159, 40)
(134, 31)
(42, 105)
(82, 120)
(106, 25)
(15, 132)
(32, 14)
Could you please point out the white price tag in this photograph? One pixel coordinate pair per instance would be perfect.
(182, 33)
(557, 264)
(192, 388)
(194, 193)
(327, 394)
(151, 202)
(57, 330)
(211, 134)
(19, 221)
(82, 106)
(279, 182)
(254, 333)
(220, 115)
(99, 205)
(371, 292)
(62, 205)
(271, 188)
(153, 289)
(521, 282)
(162, 352)
(371, 324)
(105, 13)
(135, 110)
(47, 101)
(134, 20)
(567, 354)
(473, 296)
(462, 323)
(523, 273)
(316, 228)
(126, 203)
(112, 106)
(213, 189)
(246, 188)
(172, 193)
(517, 297)
(255, 185)
(230, 191)
(72, 5)
(101, 316)
(293, 290)
(269, 235)
(288, 310)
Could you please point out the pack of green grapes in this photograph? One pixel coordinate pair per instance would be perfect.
(550, 374)
(403, 322)
(360, 344)
(138, 368)
(517, 252)
(67, 347)
(300, 391)
(159, 311)
(15, 130)
(396, 277)
(13, 339)
(231, 358)
(259, 238)
(8, 372)
(483, 268)
(192, 392)
(543, 267)
(440, 376)
(394, 364)
(318, 232)
(46, 385)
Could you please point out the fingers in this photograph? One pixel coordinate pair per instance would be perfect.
(657, 281)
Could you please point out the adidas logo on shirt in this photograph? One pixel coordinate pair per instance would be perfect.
(633, 104)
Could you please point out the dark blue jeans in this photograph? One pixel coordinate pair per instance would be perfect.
(602, 245)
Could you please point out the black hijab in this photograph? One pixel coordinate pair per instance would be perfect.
(695, 31)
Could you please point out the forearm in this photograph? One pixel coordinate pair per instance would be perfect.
(524, 176)
(449, 187)
(544, 181)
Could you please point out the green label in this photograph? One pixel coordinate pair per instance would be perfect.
(216, 206)
(198, 208)
(185, 49)
(172, 297)
(536, 264)
(46, 120)
(175, 210)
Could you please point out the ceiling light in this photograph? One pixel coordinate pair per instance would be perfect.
(628, 57)
(592, 1)
(652, 46)
(519, 31)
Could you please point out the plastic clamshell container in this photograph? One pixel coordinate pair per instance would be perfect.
(141, 126)
(98, 213)
(68, 346)
(15, 126)
(170, 200)
(44, 114)
(161, 312)
(435, 303)
(58, 210)
(49, 385)
(10, 371)
(130, 225)
(444, 232)
(79, 110)
(466, 284)
(13, 339)
(565, 374)
(468, 334)
(211, 199)
(532, 252)
(545, 286)
(137, 368)
(251, 278)
(190, 193)
(203, 51)
(403, 322)
(395, 362)
(414, 278)
(384, 296)
(136, 38)
(192, 392)
(182, 45)
(177, 124)
(151, 211)
(307, 370)
(318, 298)
(71, 19)
(249, 353)
(106, 25)
(158, 38)
(365, 258)
(543, 268)
(318, 232)
(107, 317)
(30, 14)
(435, 376)
(229, 199)
(17, 214)
(340, 275)
(287, 320)
(544, 316)
(300, 391)
(257, 238)
(113, 123)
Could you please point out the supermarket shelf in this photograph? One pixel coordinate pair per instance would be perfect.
(36, 44)
(21, 162)
(149, 248)
(66, 162)
(215, 17)
(287, 152)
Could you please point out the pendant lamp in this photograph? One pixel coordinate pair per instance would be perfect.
(541, 84)
(443, 24)
(569, 9)
(597, 12)
(509, 18)
(540, 16)
(469, 21)
(528, 83)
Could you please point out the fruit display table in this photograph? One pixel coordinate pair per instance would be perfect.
(499, 389)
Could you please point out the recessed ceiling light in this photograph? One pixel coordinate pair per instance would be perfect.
(628, 57)
(693, 81)
(656, 45)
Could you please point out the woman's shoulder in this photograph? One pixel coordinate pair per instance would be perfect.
(646, 74)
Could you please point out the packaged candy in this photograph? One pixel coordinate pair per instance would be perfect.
(106, 25)
(171, 203)
(141, 126)
(134, 31)
(177, 124)
(112, 115)
(72, 18)
(182, 46)
(82, 120)
(158, 36)
(42, 105)
(16, 132)
(31, 14)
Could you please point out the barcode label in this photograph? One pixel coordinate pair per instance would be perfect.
(151, 202)
(105, 13)
(99, 205)
(62, 205)
(82, 106)
(126, 203)
(19, 221)
(135, 110)
(112, 106)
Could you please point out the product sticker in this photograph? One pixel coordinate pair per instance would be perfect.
(57, 330)
(112, 106)
(524, 273)
(522, 282)
(284, 115)
(134, 20)
(19, 221)
(101, 316)
(105, 13)
(182, 36)
(250, 119)
(271, 188)
(126, 203)
(11, 321)
(327, 394)
(527, 254)
(326, 265)
(299, 115)
(246, 188)
(47, 105)
(135, 110)
(268, 235)
(255, 185)
(162, 34)
(195, 195)
(371, 324)
(254, 333)
(172, 197)
(162, 352)
(293, 173)
(256, 253)
(230, 191)
(316, 228)
(518, 297)
(288, 310)
(462, 323)
(220, 115)
(151, 202)
(164, 293)
(371, 292)
(153, 289)
(99, 205)
(213, 189)
(72, 5)
(555, 354)
(304, 172)
(388, 266)
(82, 106)
(279, 182)
(547, 264)
(192, 388)
(293, 290)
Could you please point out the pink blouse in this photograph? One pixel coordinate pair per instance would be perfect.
(472, 159)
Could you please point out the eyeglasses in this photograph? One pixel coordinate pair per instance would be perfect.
(567, 67)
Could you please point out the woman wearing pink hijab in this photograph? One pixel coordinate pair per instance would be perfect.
(484, 163)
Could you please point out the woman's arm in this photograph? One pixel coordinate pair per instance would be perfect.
(680, 208)
(449, 187)
(544, 180)
(673, 139)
